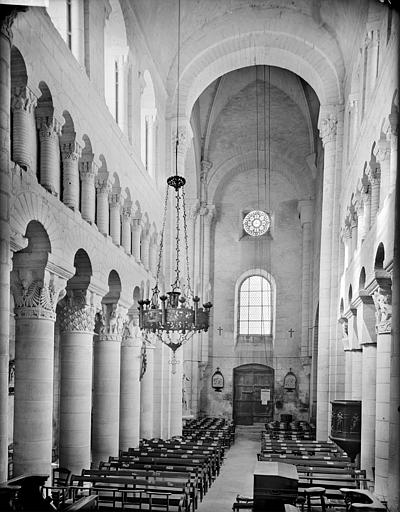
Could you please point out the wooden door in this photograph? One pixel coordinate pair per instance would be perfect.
(248, 381)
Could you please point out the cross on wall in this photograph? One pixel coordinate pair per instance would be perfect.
(220, 329)
(291, 331)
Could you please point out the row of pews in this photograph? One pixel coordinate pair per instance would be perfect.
(327, 476)
(294, 430)
(172, 475)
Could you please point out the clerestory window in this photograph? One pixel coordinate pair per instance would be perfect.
(255, 306)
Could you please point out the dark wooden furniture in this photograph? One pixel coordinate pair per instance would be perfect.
(275, 484)
(28, 496)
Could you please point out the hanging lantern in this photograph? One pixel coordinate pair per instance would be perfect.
(174, 317)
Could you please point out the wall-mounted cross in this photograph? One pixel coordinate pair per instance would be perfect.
(220, 330)
(291, 331)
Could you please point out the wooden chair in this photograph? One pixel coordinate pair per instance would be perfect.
(315, 496)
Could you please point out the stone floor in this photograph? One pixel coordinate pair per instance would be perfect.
(236, 476)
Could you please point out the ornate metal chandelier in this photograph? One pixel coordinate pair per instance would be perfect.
(175, 316)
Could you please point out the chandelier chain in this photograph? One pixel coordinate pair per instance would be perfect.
(176, 283)
(190, 291)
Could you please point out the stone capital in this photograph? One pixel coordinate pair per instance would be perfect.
(382, 298)
(103, 184)
(87, 170)
(115, 200)
(22, 98)
(383, 149)
(70, 150)
(205, 168)
(327, 126)
(109, 322)
(36, 296)
(131, 333)
(49, 127)
(126, 213)
(394, 122)
(76, 313)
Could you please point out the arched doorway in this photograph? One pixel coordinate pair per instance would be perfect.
(253, 389)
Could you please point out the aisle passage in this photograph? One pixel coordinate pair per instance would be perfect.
(236, 476)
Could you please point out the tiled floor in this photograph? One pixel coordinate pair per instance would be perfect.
(236, 476)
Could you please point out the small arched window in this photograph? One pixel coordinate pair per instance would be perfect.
(255, 306)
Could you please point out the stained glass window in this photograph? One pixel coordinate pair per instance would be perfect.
(255, 306)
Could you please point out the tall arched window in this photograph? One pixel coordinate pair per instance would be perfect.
(255, 306)
(147, 118)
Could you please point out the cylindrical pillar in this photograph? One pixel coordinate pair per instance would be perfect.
(115, 218)
(393, 119)
(70, 155)
(106, 385)
(347, 375)
(384, 162)
(375, 179)
(77, 329)
(153, 255)
(146, 397)
(306, 210)
(88, 191)
(328, 125)
(7, 17)
(367, 213)
(356, 374)
(176, 395)
(49, 131)
(126, 229)
(368, 409)
(34, 360)
(145, 250)
(102, 213)
(23, 103)
(136, 235)
(383, 300)
(129, 426)
(159, 383)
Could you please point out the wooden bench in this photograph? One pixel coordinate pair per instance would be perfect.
(132, 493)
(182, 478)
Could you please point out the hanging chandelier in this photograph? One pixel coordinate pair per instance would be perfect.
(174, 317)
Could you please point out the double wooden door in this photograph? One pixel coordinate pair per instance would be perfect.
(251, 384)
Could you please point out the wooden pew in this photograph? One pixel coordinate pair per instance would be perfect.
(183, 478)
(132, 493)
(84, 503)
(29, 496)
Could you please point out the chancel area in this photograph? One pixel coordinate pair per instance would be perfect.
(199, 273)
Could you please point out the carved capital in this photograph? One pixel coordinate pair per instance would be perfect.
(382, 297)
(205, 168)
(127, 213)
(103, 185)
(87, 170)
(70, 151)
(35, 297)
(76, 315)
(383, 149)
(23, 98)
(394, 122)
(131, 333)
(49, 127)
(115, 200)
(328, 128)
(109, 323)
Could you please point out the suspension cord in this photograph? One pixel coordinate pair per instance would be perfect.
(162, 238)
(190, 291)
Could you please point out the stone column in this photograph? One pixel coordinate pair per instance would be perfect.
(305, 208)
(76, 345)
(129, 426)
(394, 120)
(360, 217)
(354, 233)
(207, 214)
(71, 152)
(23, 103)
(384, 162)
(106, 385)
(367, 339)
(6, 19)
(103, 186)
(115, 218)
(35, 300)
(383, 304)
(146, 396)
(88, 170)
(375, 179)
(145, 250)
(159, 384)
(153, 254)
(366, 197)
(49, 131)
(327, 125)
(136, 235)
(176, 396)
(126, 229)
